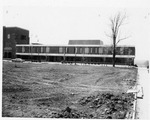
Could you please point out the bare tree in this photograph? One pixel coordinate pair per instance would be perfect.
(116, 22)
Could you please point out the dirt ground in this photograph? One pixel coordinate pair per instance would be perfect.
(48, 90)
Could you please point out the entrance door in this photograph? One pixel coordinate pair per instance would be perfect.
(7, 55)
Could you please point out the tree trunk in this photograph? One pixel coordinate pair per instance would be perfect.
(114, 50)
(114, 57)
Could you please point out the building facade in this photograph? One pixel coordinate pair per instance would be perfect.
(87, 54)
(16, 44)
(11, 37)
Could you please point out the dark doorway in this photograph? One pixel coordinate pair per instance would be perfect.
(7, 54)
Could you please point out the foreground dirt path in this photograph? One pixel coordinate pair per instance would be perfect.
(37, 90)
(143, 105)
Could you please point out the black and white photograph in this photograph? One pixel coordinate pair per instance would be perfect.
(75, 59)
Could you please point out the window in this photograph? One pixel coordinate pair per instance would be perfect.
(8, 36)
(23, 49)
(105, 50)
(54, 49)
(80, 50)
(47, 49)
(86, 50)
(100, 50)
(41, 49)
(71, 50)
(121, 50)
(26, 49)
(60, 50)
(23, 37)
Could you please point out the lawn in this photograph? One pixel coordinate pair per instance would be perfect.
(49, 90)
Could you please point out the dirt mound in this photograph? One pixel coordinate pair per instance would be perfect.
(109, 105)
(71, 113)
(103, 106)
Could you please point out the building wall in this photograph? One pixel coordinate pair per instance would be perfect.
(11, 37)
(85, 42)
(82, 54)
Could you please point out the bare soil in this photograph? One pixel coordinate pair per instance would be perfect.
(65, 91)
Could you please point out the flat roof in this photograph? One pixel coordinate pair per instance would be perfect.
(74, 45)
(15, 28)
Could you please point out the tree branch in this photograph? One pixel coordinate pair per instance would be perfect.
(116, 22)
(122, 39)
(112, 25)
(122, 20)
(108, 35)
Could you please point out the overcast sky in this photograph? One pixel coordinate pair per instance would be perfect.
(57, 21)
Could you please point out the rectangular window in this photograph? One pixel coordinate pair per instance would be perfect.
(8, 36)
(105, 50)
(34, 49)
(77, 50)
(90, 50)
(86, 50)
(26, 49)
(19, 49)
(60, 50)
(109, 50)
(126, 51)
(131, 51)
(71, 50)
(80, 50)
(23, 49)
(41, 49)
(44, 49)
(23, 37)
(121, 50)
(54, 49)
(95, 50)
(47, 49)
(83, 50)
(100, 50)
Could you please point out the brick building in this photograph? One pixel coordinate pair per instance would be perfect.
(11, 37)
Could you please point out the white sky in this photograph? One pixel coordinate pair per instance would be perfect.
(57, 21)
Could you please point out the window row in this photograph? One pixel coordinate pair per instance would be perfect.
(76, 50)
